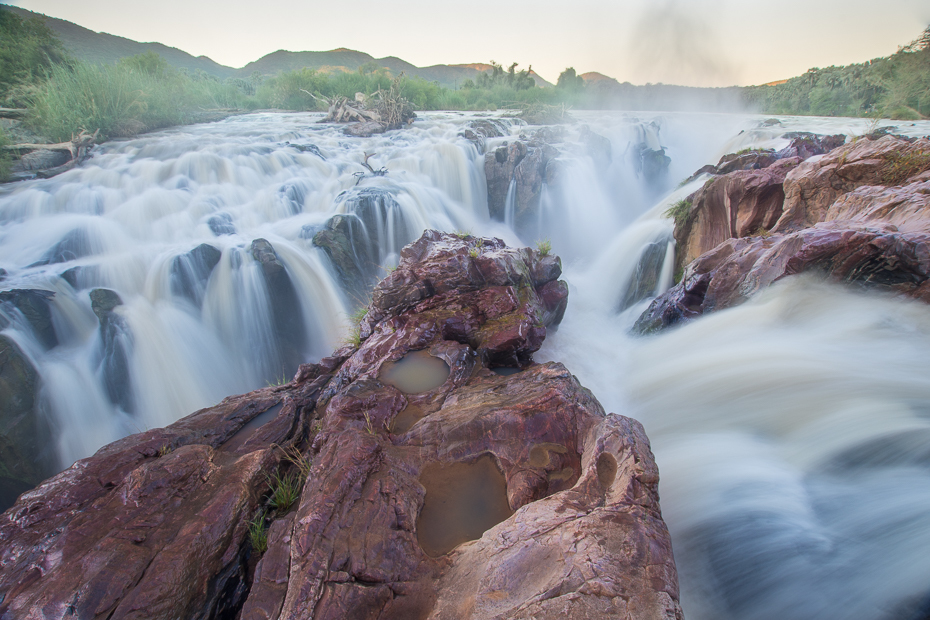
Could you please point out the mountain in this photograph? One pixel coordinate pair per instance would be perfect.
(343, 59)
(100, 47)
(593, 77)
(103, 48)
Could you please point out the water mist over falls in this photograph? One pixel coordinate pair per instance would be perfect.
(790, 433)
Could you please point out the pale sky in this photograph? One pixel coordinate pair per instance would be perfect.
(691, 42)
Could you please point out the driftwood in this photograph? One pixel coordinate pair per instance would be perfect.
(15, 113)
(384, 110)
(62, 156)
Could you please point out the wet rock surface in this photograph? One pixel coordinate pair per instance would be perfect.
(858, 214)
(524, 166)
(156, 525)
(289, 329)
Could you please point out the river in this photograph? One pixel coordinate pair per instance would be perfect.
(792, 433)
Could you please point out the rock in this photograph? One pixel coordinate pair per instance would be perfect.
(354, 241)
(113, 349)
(529, 176)
(221, 224)
(35, 307)
(364, 130)
(352, 252)
(191, 271)
(806, 145)
(76, 244)
(289, 329)
(499, 166)
(645, 279)
(524, 166)
(478, 130)
(597, 146)
(871, 256)
(41, 159)
(812, 187)
(905, 207)
(156, 525)
(79, 277)
(22, 432)
(753, 159)
(653, 165)
(738, 204)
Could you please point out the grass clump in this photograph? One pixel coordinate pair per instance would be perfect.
(285, 491)
(258, 533)
(900, 166)
(544, 247)
(679, 211)
(295, 457)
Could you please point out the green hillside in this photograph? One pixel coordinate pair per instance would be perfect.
(103, 48)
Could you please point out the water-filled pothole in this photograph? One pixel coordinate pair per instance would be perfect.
(416, 372)
(505, 371)
(405, 420)
(463, 501)
(248, 429)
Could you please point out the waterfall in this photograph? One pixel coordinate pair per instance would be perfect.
(792, 433)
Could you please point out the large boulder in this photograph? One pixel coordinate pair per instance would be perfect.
(287, 319)
(737, 204)
(22, 432)
(812, 187)
(35, 307)
(353, 241)
(113, 349)
(477, 495)
(191, 271)
(870, 256)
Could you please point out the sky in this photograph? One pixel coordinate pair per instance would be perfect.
(689, 42)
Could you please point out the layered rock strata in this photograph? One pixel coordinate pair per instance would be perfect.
(190, 520)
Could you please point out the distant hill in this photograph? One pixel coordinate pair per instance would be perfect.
(343, 59)
(103, 48)
(593, 77)
(100, 47)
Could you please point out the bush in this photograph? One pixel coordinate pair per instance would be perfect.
(139, 93)
(27, 50)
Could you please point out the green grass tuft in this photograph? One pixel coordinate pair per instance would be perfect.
(902, 166)
(544, 246)
(679, 211)
(285, 491)
(258, 533)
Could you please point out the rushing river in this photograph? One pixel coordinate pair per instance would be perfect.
(792, 433)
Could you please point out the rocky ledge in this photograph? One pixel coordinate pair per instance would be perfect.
(479, 485)
(859, 213)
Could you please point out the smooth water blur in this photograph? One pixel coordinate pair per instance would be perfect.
(792, 433)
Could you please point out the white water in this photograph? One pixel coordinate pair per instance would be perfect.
(791, 434)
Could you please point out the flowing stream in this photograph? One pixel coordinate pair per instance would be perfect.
(792, 433)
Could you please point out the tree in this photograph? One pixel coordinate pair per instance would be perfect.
(569, 81)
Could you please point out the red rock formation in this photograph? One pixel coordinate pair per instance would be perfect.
(815, 185)
(156, 525)
(857, 214)
(738, 204)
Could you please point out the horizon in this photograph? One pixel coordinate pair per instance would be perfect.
(669, 42)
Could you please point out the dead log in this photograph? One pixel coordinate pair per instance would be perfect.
(47, 160)
(14, 113)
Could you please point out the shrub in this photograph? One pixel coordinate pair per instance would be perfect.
(679, 211)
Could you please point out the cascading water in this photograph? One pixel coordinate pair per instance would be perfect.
(792, 433)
